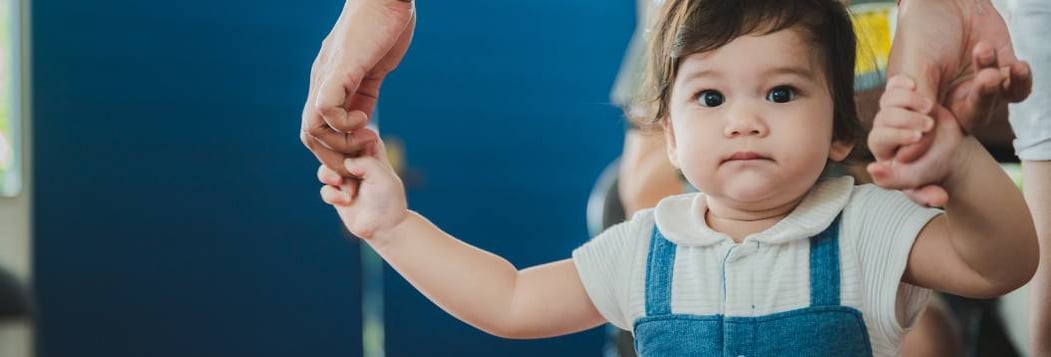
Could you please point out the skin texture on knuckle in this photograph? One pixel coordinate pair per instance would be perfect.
(308, 140)
(330, 115)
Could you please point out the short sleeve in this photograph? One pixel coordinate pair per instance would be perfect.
(886, 224)
(605, 265)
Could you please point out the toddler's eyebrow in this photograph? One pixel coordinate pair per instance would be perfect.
(703, 73)
(790, 70)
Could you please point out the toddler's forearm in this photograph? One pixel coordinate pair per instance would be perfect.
(473, 285)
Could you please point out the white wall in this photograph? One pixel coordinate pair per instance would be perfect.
(16, 340)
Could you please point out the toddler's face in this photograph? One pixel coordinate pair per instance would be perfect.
(751, 122)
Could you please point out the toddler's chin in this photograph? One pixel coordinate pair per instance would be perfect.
(750, 191)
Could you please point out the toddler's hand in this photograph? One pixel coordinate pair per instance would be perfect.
(373, 200)
(902, 121)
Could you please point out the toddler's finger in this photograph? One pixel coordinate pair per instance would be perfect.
(903, 119)
(905, 98)
(913, 152)
(894, 176)
(885, 141)
(328, 177)
(333, 196)
(363, 167)
(350, 187)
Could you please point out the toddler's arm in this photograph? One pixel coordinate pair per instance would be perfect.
(985, 244)
(477, 287)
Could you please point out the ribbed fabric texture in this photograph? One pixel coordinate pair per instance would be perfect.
(769, 271)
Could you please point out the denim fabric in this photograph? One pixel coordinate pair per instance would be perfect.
(824, 267)
(659, 270)
(823, 329)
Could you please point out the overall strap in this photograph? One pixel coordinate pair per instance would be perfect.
(824, 266)
(659, 265)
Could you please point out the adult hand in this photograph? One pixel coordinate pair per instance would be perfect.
(958, 52)
(367, 42)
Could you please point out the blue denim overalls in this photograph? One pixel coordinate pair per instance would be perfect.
(825, 328)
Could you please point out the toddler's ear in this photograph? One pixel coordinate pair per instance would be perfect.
(669, 141)
(839, 150)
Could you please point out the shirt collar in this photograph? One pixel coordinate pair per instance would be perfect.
(681, 218)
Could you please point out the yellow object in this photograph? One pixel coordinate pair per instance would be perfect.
(395, 153)
(874, 26)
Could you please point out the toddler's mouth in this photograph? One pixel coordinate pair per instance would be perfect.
(746, 156)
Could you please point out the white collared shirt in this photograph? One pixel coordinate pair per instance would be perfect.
(770, 269)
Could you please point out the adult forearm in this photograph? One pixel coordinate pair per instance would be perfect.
(990, 225)
(473, 285)
(646, 173)
(1035, 176)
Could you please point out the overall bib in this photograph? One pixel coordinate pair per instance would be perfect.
(825, 328)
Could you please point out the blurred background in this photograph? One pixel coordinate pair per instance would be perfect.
(155, 199)
(168, 208)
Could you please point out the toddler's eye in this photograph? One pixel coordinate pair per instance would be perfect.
(781, 95)
(710, 98)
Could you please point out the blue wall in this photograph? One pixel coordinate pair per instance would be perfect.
(176, 212)
(509, 169)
